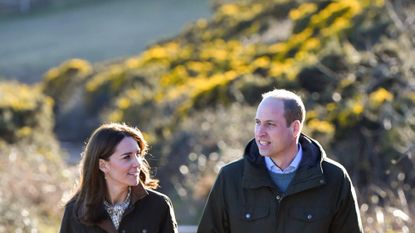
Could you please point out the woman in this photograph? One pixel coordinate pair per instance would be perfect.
(115, 193)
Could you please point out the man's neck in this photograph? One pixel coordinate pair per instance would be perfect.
(284, 159)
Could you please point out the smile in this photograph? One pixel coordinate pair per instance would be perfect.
(263, 143)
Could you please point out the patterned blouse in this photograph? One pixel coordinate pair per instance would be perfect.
(116, 211)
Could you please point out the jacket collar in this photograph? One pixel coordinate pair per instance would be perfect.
(255, 173)
(308, 175)
(137, 193)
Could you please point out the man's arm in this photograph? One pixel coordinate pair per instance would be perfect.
(347, 218)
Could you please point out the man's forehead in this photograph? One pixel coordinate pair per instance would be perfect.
(271, 105)
(272, 99)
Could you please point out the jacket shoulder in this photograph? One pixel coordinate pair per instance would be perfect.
(232, 167)
(230, 174)
(70, 207)
(159, 206)
(70, 203)
(334, 170)
(157, 195)
(159, 198)
(70, 222)
(333, 166)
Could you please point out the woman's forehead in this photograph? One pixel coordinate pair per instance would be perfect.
(127, 144)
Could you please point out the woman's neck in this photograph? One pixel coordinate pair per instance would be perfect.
(117, 195)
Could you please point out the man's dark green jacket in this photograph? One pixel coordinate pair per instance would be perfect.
(319, 199)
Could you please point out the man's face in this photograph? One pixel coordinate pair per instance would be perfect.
(272, 135)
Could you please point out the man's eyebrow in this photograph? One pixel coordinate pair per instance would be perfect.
(265, 121)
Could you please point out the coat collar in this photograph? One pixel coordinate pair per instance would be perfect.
(137, 193)
(308, 175)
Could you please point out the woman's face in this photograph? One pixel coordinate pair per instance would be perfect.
(122, 169)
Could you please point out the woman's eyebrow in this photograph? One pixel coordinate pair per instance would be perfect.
(131, 152)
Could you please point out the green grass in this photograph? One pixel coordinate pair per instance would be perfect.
(95, 31)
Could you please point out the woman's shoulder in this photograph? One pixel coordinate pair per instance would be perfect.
(158, 197)
(71, 202)
(69, 215)
(70, 206)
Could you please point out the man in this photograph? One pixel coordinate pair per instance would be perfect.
(284, 182)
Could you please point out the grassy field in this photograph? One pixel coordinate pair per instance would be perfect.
(103, 30)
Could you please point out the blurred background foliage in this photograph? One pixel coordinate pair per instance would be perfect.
(34, 178)
(195, 95)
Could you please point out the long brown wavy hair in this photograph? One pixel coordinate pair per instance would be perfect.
(92, 187)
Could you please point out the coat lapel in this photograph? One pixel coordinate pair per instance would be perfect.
(137, 192)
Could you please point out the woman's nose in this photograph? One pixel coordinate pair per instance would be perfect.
(138, 160)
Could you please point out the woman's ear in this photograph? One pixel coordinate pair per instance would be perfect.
(103, 165)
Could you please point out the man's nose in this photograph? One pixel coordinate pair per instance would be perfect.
(259, 130)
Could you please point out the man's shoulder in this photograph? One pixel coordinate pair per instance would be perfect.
(233, 166)
(333, 168)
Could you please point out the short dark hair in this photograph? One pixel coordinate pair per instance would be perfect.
(293, 105)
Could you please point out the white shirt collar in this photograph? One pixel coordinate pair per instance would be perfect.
(291, 168)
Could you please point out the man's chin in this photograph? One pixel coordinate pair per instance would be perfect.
(263, 154)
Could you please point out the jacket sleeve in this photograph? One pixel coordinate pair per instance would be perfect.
(169, 224)
(66, 224)
(347, 218)
(215, 218)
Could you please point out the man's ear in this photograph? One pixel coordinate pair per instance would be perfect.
(103, 165)
(296, 128)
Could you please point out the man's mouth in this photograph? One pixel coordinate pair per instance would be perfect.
(263, 143)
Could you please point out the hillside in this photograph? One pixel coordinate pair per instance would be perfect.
(195, 95)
